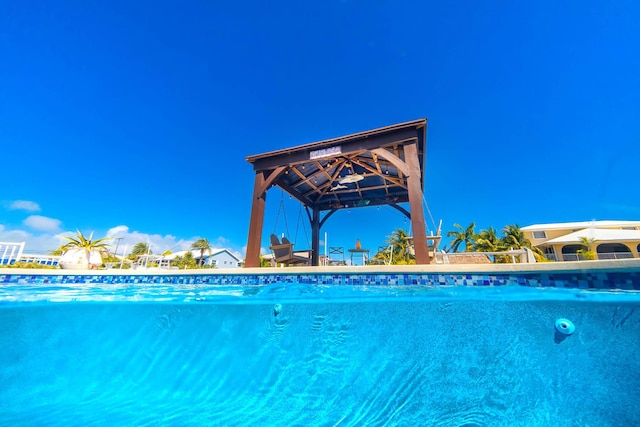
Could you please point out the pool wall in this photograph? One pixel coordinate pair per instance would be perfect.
(620, 274)
(364, 363)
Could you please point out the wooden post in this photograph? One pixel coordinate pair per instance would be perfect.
(261, 184)
(315, 237)
(414, 185)
(255, 223)
(411, 168)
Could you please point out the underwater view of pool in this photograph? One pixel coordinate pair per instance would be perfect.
(315, 355)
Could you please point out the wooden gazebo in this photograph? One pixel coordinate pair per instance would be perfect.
(383, 166)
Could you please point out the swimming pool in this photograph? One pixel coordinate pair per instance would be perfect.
(160, 352)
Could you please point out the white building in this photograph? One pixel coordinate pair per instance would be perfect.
(218, 258)
(222, 258)
(562, 241)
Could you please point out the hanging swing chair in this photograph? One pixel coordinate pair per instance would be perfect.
(283, 250)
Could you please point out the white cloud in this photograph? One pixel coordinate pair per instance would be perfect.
(42, 223)
(125, 239)
(116, 231)
(25, 205)
(12, 235)
(40, 244)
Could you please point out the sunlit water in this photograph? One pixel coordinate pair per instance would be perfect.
(317, 356)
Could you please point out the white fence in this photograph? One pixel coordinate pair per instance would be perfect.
(601, 255)
(11, 252)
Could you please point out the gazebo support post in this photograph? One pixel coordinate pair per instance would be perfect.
(414, 184)
(411, 168)
(256, 222)
(261, 184)
(315, 237)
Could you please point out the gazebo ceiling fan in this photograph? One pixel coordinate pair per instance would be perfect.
(350, 179)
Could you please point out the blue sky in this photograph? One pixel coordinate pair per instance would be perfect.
(134, 120)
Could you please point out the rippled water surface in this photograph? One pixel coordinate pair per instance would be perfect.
(311, 355)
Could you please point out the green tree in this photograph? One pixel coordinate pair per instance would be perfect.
(402, 254)
(514, 238)
(185, 261)
(382, 256)
(264, 262)
(109, 257)
(464, 236)
(59, 251)
(588, 243)
(488, 241)
(87, 244)
(202, 245)
(138, 250)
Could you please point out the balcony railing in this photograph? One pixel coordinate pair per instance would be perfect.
(615, 255)
(603, 255)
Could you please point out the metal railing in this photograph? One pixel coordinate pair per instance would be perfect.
(603, 255)
(52, 260)
(615, 255)
(13, 252)
(10, 252)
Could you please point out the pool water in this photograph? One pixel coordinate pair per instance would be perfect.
(317, 356)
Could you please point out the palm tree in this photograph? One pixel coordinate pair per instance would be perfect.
(201, 245)
(59, 251)
(399, 240)
(587, 252)
(488, 241)
(87, 244)
(139, 249)
(588, 242)
(514, 238)
(464, 235)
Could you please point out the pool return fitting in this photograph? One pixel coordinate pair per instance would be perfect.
(565, 326)
(277, 308)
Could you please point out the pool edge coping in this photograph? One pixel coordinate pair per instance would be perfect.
(544, 267)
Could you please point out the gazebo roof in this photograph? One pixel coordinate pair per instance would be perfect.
(349, 171)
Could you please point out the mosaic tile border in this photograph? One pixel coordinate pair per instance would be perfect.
(623, 280)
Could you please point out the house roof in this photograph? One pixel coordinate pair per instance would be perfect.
(218, 252)
(349, 171)
(580, 224)
(601, 235)
(196, 253)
